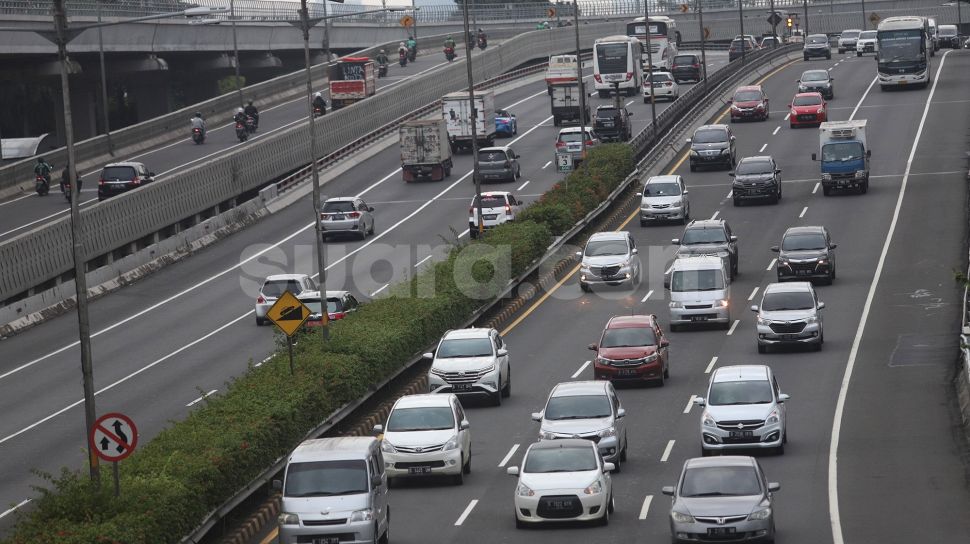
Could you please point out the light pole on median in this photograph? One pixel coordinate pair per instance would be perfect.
(700, 15)
(104, 86)
(649, 38)
(744, 42)
(235, 50)
(473, 118)
(864, 14)
(805, 25)
(582, 87)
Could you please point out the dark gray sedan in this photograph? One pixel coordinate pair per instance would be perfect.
(722, 498)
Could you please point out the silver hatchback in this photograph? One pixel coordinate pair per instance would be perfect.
(498, 164)
(346, 215)
(789, 314)
(744, 409)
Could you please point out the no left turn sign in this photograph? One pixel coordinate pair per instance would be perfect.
(113, 437)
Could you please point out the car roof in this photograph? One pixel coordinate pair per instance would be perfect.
(706, 224)
(749, 88)
(630, 322)
(495, 148)
(333, 448)
(424, 400)
(807, 229)
(125, 163)
(812, 94)
(495, 193)
(852, 30)
(814, 70)
(789, 287)
(696, 262)
(341, 199)
(573, 129)
(470, 332)
(720, 461)
(561, 444)
(284, 277)
(668, 178)
(711, 127)
(573, 389)
(740, 373)
(818, 35)
(610, 235)
(758, 158)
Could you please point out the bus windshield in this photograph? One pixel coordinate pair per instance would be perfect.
(900, 46)
(612, 57)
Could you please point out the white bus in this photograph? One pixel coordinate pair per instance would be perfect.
(616, 59)
(903, 49)
(664, 39)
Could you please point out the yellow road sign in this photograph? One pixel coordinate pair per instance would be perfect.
(407, 21)
(684, 8)
(288, 313)
(874, 17)
(707, 32)
(551, 12)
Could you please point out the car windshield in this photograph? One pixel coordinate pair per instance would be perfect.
(868, 35)
(502, 113)
(424, 418)
(660, 78)
(333, 305)
(338, 206)
(747, 96)
(703, 236)
(818, 39)
(118, 172)
(754, 167)
(787, 300)
(720, 482)
(741, 392)
(948, 31)
(578, 407)
(850, 34)
(599, 248)
(465, 347)
(275, 288)
(492, 156)
(685, 59)
(800, 242)
(736, 44)
(491, 201)
(605, 112)
(326, 478)
(661, 189)
(709, 136)
(628, 337)
(696, 280)
(815, 75)
(842, 151)
(807, 101)
(544, 460)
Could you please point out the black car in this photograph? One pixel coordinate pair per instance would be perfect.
(709, 237)
(612, 123)
(806, 253)
(756, 178)
(686, 68)
(817, 81)
(948, 36)
(817, 45)
(122, 177)
(712, 145)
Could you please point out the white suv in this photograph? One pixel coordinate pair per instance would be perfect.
(498, 208)
(274, 286)
(471, 362)
(664, 198)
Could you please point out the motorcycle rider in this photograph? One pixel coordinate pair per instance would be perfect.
(319, 102)
(66, 179)
(43, 169)
(412, 45)
(449, 42)
(240, 116)
(482, 39)
(251, 111)
(198, 122)
(382, 57)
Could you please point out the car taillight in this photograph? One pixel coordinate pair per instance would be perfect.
(629, 76)
(260, 300)
(135, 180)
(597, 78)
(100, 181)
(508, 209)
(353, 215)
(589, 142)
(471, 209)
(560, 145)
(695, 65)
(668, 84)
(336, 315)
(508, 164)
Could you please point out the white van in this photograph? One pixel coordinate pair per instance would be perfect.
(700, 291)
(334, 488)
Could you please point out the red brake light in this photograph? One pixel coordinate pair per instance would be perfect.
(589, 142)
(471, 209)
(353, 215)
(696, 65)
(597, 78)
(337, 315)
(135, 180)
(560, 144)
(629, 76)
(100, 181)
(260, 300)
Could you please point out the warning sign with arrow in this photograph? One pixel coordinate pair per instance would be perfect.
(774, 19)
(874, 17)
(288, 313)
(113, 437)
(684, 8)
(407, 21)
(551, 12)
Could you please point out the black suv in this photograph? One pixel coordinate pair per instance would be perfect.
(612, 123)
(686, 68)
(817, 45)
(756, 177)
(709, 237)
(712, 145)
(806, 253)
(121, 177)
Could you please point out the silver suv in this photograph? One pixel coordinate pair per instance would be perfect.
(346, 215)
(664, 198)
(744, 409)
(789, 315)
(610, 258)
(589, 410)
(709, 237)
(471, 362)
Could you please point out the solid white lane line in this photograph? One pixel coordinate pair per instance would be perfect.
(787, 116)
(771, 265)
(815, 189)
(776, 130)
(713, 217)
(762, 148)
(12, 200)
(690, 404)
(14, 508)
(374, 294)
(632, 101)
(730, 193)
(863, 99)
(422, 261)
(526, 99)
(468, 510)
(710, 366)
(753, 293)
(198, 400)
(581, 369)
(463, 234)
(523, 185)
(646, 296)
(801, 215)
(733, 326)
(645, 509)
(508, 456)
(544, 166)
(830, 69)
(666, 454)
(833, 470)
(263, 362)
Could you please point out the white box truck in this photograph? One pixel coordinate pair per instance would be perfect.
(457, 113)
(565, 103)
(425, 150)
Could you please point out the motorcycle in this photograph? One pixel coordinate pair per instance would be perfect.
(42, 184)
(412, 53)
(402, 58)
(250, 124)
(197, 136)
(67, 189)
(482, 42)
(318, 111)
(382, 69)
(242, 131)
(450, 53)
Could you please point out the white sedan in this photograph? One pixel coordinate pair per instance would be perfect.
(563, 480)
(660, 85)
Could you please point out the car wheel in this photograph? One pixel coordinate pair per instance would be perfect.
(864, 188)
(833, 272)
(780, 450)
(806, 58)
(584, 287)
(611, 507)
(762, 348)
(692, 167)
(667, 370)
(497, 398)
(826, 191)
(828, 57)
(386, 537)
(737, 201)
(784, 436)
(458, 479)
(840, 51)
(858, 54)
(372, 228)
(662, 381)
(792, 125)
(817, 346)
(473, 233)
(507, 390)
(623, 454)
(391, 482)
(643, 223)
(687, 215)
(605, 520)
(519, 524)
(467, 468)
(260, 321)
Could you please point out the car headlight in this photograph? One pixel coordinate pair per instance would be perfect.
(286, 518)
(694, 153)
(707, 420)
(735, 107)
(860, 174)
(773, 417)
(811, 319)
(783, 261)
(681, 517)
(609, 431)
(547, 435)
(802, 88)
(759, 515)
(451, 444)
(793, 112)
(523, 490)
(725, 150)
(820, 111)
(760, 106)
(763, 322)
(677, 204)
(826, 177)
(387, 447)
(723, 303)
(676, 304)
(594, 488)
(362, 515)
(650, 358)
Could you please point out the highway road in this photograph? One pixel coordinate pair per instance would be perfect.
(20, 214)
(204, 303)
(872, 455)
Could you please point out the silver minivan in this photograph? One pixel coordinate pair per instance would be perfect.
(334, 491)
(744, 408)
(499, 164)
(789, 314)
(700, 291)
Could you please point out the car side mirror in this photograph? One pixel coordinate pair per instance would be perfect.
(821, 305)
(378, 429)
(868, 153)
(814, 157)
(754, 308)
(730, 101)
(675, 241)
(502, 352)
(668, 490)
(609, 467)
(774, 486)
(370, 208)
(277, 485)
(664, 343)
(512, 471)
(791, 105)
(833, 246)
(428, 355)
(579, 254)
(638, 194)
(465, 425)
(775, 249)
(783, 397)
(734, 238)
(629, 114)
(634, 251)
(699, 401)
(733, 138)
(777, 171)
(731, 174)
(686, 191)
(620, 412)
(831, 79)
(536, 416)
(592, 347)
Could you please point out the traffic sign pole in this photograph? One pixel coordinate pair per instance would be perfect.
(289, 346)
(700, 15)
(114, 469)
(113, 437)
(774, 25)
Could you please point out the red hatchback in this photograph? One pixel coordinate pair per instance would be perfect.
(632, 348)
(749, 102)
(807, 109)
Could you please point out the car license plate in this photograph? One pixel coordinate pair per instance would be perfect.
(627, 372)
(419, 470)
(742, 434)
(718, 531)
(462, 387)
(789, 337)
(560, 505)
(336, 218)
(802, 272)
(490, 216)
(327, 540)
(903, 82)
(698, 318)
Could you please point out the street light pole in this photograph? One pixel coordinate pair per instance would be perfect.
(235, 50)
(864, 22)
(326, 30)
(582, 86)
(700, 14)
(741, 22)
(805, 26)
(414, 10)
(774, 25)
(314, 170)
(80, 280)
(474, 122)
(649, 38)
(104, 86)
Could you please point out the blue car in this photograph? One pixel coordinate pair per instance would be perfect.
(505, 123)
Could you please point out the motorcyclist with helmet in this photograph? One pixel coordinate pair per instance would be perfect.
(412, 46)
(319, 103)
(198, 123)
(43, 170)
(251, 111)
